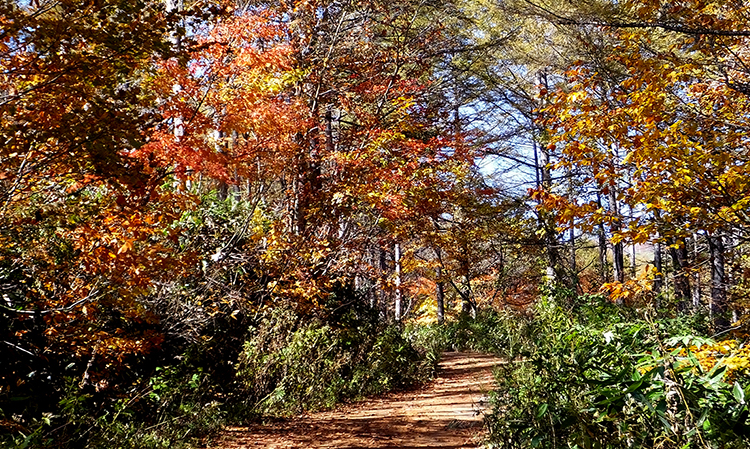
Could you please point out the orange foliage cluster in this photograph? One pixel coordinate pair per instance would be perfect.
(637, 291)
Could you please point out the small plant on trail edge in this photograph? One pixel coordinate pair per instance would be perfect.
(599, 376)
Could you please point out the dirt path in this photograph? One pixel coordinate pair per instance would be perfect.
(447, 413)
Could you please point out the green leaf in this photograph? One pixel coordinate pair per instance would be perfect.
(716, 374)
(541, 410)
(738, 393)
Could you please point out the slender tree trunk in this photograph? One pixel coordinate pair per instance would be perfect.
(573, 264)
(696, 275)
(618, 256)
(602, 240)
(178, 125)
(547, 220)
(468, 307)
(680, 264)
(398, 297)
(618, 252)
(572, 239)
(440, 297)
(330, 144)
(718, 308)
(382, 295)
(733, 272)
(659, 265)
(440, 289)
(633, 252)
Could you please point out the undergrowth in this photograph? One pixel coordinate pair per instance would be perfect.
(290, 365)
(594, 375)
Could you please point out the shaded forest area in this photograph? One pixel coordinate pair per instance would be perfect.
(220, 211)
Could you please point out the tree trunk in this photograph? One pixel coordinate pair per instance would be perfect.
(440, 296)
(398, 297)
(718, 308)
(440, 289)
(573, 264)
(680, 264)
(618, 253)
(602, 237)
(468, 307)
(547, 220)
(696, 290)
(383, 267)
(659, 265)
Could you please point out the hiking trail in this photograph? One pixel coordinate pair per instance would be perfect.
(446, 413)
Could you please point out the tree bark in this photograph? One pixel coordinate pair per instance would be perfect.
(680, 264)
(659, 265)
(440, 297)
(381, 298)
(718, 308)
(547, 221)
(440, 289)
(468, 307)
(398, 296)
(602, 237)
(618, 253)
(696, 290)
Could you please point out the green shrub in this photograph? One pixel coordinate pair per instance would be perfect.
(172, 409)
(492, 332)
(291, 365)
(595, 376)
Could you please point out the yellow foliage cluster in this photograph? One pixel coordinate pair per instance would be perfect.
(636, 290)
(735, 356)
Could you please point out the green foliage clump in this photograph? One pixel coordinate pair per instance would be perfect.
(172, 408)
(290, 364)
(593, 375)
(491, 332)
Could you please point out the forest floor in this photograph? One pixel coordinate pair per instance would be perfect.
(446, 413)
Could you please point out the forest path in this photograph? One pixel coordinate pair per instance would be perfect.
(446, 413)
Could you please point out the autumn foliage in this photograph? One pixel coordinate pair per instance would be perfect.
(655, 129)
(188, 188)
(168, 173)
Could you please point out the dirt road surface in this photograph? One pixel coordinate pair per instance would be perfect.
(447, 413)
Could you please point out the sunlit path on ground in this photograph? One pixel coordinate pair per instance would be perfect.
(447, 413)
